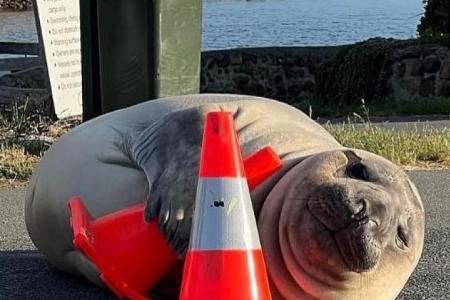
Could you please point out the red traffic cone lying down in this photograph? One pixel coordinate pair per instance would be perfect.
(131, 254)
(225, 260)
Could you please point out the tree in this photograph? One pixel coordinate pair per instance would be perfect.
(436, 20)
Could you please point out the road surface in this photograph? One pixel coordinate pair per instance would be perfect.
(24, 274)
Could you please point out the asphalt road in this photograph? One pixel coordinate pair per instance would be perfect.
(24, 274)
(401, 122)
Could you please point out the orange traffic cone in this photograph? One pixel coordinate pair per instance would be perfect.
(131, 254)
(225, 260)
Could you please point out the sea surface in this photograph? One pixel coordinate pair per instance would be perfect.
(263, 23)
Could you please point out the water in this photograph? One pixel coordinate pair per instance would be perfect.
(17, 27)
(306, 22)
(231, 24)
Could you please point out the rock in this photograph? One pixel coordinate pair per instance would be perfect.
(16, 4)
(277, 78)
(414, 67)
(410, 83)
(279, 60)
(267, 59)
(431, 64)
(399, 69)
(236, 59)
(294, 91)
(281, 90)
(36, 144)
(301, 72)
(203, 60)
(212, 64)
(300, 62)
(203, 82)
(249, 67)
(291, 74)
(259, 89)
(443, 53)
(289, 62)
(427, 86)
(443, 88)
(224, 61)
(309, 85)
(241, 79)
(407, 53)
(445, 70)
(246, 57)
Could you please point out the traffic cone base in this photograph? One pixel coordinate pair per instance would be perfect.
(229, 274)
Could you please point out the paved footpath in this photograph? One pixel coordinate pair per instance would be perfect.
(24, 274)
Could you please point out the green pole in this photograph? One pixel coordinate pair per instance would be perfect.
(178, 47)
(137, 50)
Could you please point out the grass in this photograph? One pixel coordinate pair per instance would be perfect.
(18, 154)
(16, 164)
(423, 147)
(413, 147)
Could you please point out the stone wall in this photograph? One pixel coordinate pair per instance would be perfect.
(16, 4)
(327, 76)
(402, 72)
(419, 72)
(280, 73)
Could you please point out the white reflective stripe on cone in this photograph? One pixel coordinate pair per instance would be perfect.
(223, 217)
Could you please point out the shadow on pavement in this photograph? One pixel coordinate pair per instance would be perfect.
(27, 275)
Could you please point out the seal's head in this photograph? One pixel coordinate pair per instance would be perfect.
(342, 225)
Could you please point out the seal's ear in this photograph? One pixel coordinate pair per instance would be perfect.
(357, 169)
(352, 157)
(168, 152)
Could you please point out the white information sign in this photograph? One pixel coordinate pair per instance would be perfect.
(60, 31)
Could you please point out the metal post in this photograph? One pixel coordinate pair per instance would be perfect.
(90, 66)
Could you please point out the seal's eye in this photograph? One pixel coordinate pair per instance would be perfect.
(358, 171)
(400, 239)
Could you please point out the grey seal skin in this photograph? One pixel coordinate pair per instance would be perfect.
(334, 223)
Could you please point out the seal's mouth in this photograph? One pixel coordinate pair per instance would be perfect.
(359, 249)
(349, 224)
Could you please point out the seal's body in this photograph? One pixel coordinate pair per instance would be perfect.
(333, 222)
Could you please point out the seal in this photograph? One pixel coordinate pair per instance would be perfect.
(334, 223)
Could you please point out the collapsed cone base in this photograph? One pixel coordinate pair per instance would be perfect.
(131, 254)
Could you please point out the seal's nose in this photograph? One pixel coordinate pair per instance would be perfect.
(358, 209)
(331, 205)
(336, 207)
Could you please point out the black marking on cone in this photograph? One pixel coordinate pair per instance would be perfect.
(219, 204)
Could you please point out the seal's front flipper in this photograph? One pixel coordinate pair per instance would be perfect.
(168, 152)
